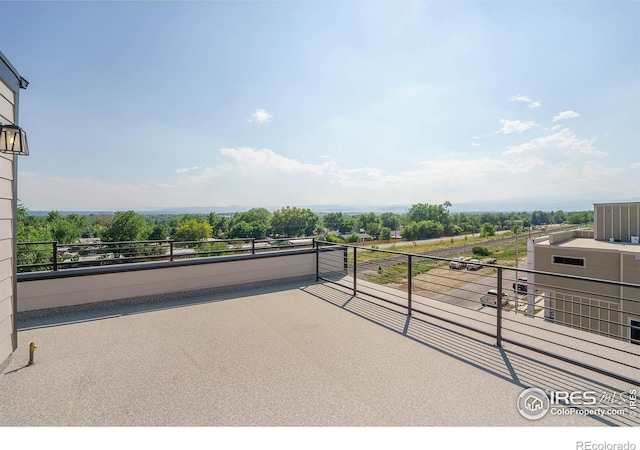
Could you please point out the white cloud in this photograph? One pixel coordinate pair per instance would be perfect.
(265, 160)
(525, 165)
(520, 98)
(523, 98)
(260, 116)
(370, 178)
(186, 169)
(566, 115)
(255, 177)
(515, 126)
(564, 140)
(474, 144)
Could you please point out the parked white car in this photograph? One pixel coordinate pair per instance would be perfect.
(474, 264)
(491, 298)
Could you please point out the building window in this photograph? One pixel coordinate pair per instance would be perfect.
(568, 261)
(634, 331)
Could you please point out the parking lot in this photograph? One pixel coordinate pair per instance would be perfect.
(465, 288)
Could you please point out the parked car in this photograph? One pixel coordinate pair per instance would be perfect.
(521, 287)
(491, 298)
(457, 263)
(474, 264)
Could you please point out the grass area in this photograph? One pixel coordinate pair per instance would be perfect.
(504, 252)
(398, 271)
(383, 267)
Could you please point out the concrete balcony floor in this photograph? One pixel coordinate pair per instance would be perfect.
(296, 354)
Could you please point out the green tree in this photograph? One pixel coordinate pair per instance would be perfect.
(66, 230)
(294, 222)
(348, 224)
(333, 238)
(253, 215)
(373, 228)
(219, 224)
(422, 212)
(540, 217)
(352, 238)
(192, 230)
(363, 220)
(127, 226)
(385, 233)
(391, 220)
(258, 221)
(558, 216)
(487, 230)
(28, 230)
(425, 229)
(29, 254)
(159, 232)
(578, 217)
(467, 223)
(333, 221)
(242, 229)
(481, 251)
(490, 218)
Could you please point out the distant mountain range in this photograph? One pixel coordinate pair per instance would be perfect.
(478, 207)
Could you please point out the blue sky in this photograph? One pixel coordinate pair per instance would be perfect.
(144, 105)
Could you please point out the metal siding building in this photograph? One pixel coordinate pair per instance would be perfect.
(607, 253)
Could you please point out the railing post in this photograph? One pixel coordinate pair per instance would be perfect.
(171, 250)
(345, 261)
(253, 246)
(409, 272)
(317, 260)
(355, 272)
(499, 310)
(55, 256)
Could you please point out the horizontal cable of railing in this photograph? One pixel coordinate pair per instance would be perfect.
(50, 255)
(594, 307)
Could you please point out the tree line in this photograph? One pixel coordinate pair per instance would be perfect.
(422, 221)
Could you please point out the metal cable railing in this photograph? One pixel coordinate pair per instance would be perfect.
(575, 319)
(52, 256)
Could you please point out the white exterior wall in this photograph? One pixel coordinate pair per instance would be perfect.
(7, 116)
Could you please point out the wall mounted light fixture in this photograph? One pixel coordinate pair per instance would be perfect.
(13, 140)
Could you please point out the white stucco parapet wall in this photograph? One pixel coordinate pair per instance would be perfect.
(81, 286)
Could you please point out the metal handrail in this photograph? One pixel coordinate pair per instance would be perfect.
(122, 252)
(353, 259)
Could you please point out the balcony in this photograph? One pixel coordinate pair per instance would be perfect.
(333, 335)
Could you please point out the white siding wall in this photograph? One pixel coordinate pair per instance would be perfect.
(7, 101)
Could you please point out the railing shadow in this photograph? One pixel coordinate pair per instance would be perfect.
(520, 367)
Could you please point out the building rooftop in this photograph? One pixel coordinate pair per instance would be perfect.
(299, 354)
(587, 243)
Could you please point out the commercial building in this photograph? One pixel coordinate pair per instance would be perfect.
(608, 252)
